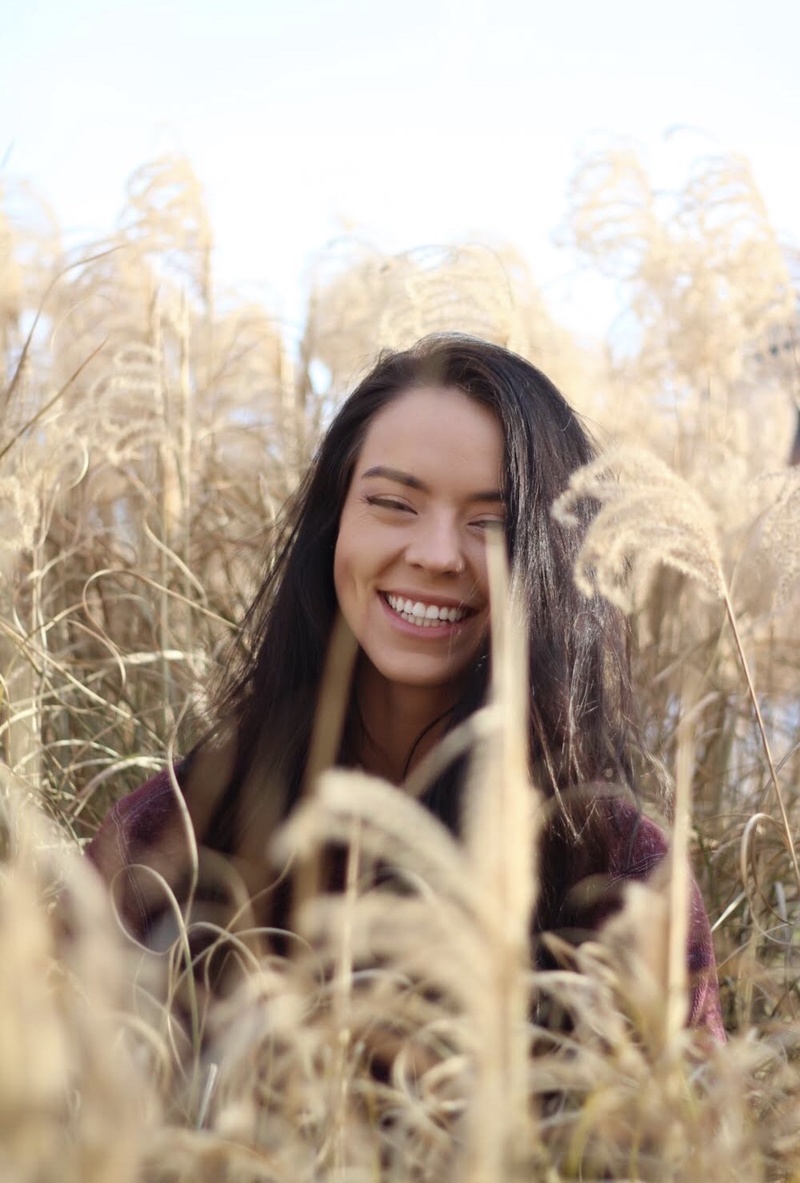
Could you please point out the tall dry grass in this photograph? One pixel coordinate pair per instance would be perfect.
(151, 427)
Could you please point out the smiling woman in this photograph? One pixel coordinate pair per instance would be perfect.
(437, 445)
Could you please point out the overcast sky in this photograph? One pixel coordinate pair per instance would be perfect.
(416, 122)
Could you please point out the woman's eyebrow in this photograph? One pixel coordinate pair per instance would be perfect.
(394, 474)
(413, 482)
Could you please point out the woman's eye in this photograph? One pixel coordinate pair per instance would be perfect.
(387, 503)
(488, 523)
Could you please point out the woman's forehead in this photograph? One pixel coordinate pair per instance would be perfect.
(436, 429)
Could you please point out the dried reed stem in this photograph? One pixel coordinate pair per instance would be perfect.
(501, 829)
(751, 690)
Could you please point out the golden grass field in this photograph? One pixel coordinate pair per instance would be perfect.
(152, 426)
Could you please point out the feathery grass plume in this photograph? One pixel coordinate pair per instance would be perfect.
(74, 1104)
(19, 518)
(777, 533)
(363, 301)
(703, 265)
(649, 515)
(166, 216)
(372, 301)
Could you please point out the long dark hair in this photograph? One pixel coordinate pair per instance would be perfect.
(580, 697)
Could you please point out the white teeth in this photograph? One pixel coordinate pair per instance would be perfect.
(423, 615)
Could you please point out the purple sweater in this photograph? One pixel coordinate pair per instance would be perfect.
(146, 827)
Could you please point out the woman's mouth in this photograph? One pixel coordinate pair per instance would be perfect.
(422, 614)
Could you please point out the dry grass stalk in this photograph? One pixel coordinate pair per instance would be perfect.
(74, 1102)
(502, 818)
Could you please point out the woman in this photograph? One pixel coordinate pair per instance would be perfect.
(437, 445)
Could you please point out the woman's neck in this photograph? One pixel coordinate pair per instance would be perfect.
(400, 724)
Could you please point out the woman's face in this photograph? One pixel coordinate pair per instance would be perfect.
(410, 563)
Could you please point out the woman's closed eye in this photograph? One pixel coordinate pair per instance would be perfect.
(382, 501)
(488, 523)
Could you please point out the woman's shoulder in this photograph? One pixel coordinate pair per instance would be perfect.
(141, 849)
(636, 843)
(597, 831)
(139, 821)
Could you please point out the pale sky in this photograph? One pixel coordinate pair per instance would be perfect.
(419, 122)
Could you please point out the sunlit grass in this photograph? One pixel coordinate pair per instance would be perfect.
(149, 433)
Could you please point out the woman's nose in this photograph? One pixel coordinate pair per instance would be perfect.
(436, 546)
